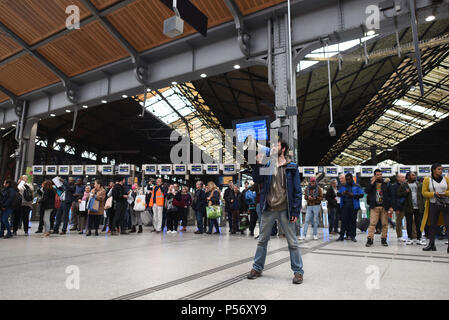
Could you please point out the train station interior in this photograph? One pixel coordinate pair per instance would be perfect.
(102, 89)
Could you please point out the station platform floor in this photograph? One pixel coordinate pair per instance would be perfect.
(188, 266)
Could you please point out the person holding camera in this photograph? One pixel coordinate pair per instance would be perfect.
(381, 206)
(280, 199)
(436, 192)
(350, 194)
(313, 195)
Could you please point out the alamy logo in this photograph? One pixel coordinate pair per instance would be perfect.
(373, 20)
(73, 20)
(72, 282)
(372, 282)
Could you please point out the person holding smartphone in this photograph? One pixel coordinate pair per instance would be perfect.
(280, 199)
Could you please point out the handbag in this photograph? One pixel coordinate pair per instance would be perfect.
(440, 203)
(93, 205)
(108, 204)
(213, 212)
(139, 203)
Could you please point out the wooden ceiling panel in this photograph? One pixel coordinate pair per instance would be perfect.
(82, 50)
(250, 6)
(3, 97)
(25, 74)
(148, 17)
(35, 20)
(101, 4)
(7, 47)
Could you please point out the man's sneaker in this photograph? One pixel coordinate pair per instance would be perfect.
(297, 279)
(38, 231)
(353, 239)
(62, 232)
(340, 239)
(253, 274)
(384, 242)
(301, 238)
(369, 242)
(198, 232)
(402, 239)
(174, 231)
(409, 242)
(315, 237)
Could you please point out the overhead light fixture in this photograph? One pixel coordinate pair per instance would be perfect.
(412, 88)
(104, 101)
(60, 140)
(371, 33)
(124, 96)
(430, 18)
(68, 111)
(52, 115)
(174, 83)
(2, 128)
(148, 90)
(85, 106)
(237, 67)
(203, 75)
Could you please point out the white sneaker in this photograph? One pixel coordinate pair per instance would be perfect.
(447, 242)
(315, 237)
(422, 242)
(301, 238)
(403, 239)
(174, 231)
(408, 242)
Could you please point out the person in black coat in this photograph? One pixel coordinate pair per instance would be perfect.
(332, 206)
(228, 195)
(63, 214)
(199, 205)
(47, 204)
(7, 198)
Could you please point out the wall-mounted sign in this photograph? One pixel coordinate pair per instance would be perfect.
(196, 169)
(124, 169)
(180, 169)
(91, 169)
(424, 171)
(309, 171)
(51, 170)
(38, 170)
(150, 169)
(331, 171)
(229, 169)
(64, 170)
(77, 170)
(446, 169)
(405, 169)
(387, 171)
(165, 169)
(350, 170)
(367, 171)
(212, 168)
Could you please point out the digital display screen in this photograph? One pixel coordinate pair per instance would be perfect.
(258, 129)
(348, 170)
(367, 170)
(92, 170)
(151, 169)
(229, 168)
(386, 170)
(425, 170)
(196, 168)
(77, 170)
(180, 168)
(124, 169)
(331, 171)
(37, 170)
(51, 169)
(64, 169)
(445, 170)
(309, 171)
(404, 170)
(212, 168)
(105, 169)
(165, 169)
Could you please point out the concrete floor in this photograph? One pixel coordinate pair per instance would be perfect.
(188, 266)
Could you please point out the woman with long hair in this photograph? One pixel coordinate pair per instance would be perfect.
(48, 204)
(94, 217)
(213, 199)
(436, 192)
(7, 205)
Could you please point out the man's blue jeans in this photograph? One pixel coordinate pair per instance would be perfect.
(64, 212)
(259, 216)
(5, 223)
(312, 216)
(199, 220)
(268, 219)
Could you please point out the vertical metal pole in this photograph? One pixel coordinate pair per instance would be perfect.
(330, 84)
(416, 43)
(270, 54)
(289, 46)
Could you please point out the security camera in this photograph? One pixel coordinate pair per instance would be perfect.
(332, 130)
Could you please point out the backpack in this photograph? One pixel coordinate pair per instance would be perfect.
(17, 201)
(27, 194)
(57, 201)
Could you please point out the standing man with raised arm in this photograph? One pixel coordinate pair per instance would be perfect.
(280, 199)
(66, 204)
(380, 204)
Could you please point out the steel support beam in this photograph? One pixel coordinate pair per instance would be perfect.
(243, 34)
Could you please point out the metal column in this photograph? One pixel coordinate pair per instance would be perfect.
(284, 77)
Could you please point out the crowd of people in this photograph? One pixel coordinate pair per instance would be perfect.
(119, 207)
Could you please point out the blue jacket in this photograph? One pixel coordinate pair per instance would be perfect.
(294, 191)
(355, 189)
